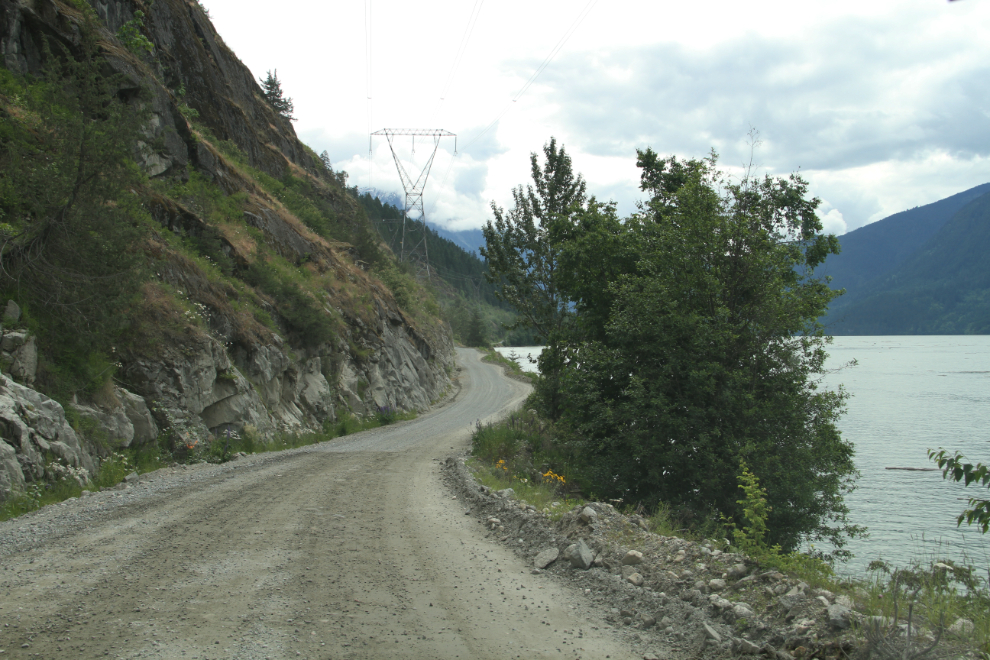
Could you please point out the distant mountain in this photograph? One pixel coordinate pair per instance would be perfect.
(469, 239)
(923, 271)
(876, 249)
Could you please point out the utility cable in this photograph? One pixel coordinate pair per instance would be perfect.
(368, 83)
(459, 55)
(543, 65)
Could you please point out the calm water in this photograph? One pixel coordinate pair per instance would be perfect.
(909, 394)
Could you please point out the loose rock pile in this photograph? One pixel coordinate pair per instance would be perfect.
(674, 598)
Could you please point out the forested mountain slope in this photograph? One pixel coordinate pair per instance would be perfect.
(876, 249)
(942, 286)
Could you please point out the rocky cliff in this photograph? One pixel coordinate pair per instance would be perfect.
(216, 348)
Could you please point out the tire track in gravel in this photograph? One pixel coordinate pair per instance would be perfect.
(347, 549)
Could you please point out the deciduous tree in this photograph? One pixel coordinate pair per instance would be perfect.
(523, 251)
(704, 350)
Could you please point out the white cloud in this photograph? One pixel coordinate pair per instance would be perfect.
(882, 105)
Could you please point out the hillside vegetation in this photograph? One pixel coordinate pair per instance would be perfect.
(157, 210)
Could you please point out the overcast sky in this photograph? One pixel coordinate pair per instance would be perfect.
(883, 105)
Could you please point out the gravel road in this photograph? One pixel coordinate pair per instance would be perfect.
(347, 549)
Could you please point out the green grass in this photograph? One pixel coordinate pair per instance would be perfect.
(544, 494)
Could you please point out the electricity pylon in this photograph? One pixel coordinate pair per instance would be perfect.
(414, 248)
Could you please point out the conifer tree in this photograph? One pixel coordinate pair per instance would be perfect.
(272, 88)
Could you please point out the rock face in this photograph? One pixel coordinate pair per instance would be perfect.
(214, 381)
(31, 426)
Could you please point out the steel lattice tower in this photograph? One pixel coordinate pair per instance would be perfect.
(414, 248)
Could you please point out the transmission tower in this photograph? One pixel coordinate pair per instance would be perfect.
(413, 246)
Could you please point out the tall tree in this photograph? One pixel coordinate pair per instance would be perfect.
(706, 350)
(523, 251)
(272, 88)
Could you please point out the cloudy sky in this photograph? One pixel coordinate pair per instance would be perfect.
(883, 105)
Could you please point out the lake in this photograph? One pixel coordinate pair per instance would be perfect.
(909, 394)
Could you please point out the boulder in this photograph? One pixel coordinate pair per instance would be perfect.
(25, 361)
(11, 313)
(632, 558)
(139, 415)
(579, 555)
(588, 515)
(738, 571)
(716, 585)
(11, 477)
(112, 424)
(711, 634)
(962, 627)
(546, 558)
(636, 580)
(839, 617)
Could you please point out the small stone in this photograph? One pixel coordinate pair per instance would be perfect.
(745, 647)
(838, 617)
(506, 493)
(738, 571)
(743, 611)
(579, 554)
(711, 634)
(494, 521)
(588, 515)
(844, 600)
(12, 314)
(632, 558)
(635, 579)
(651, 656)
(132, 478)
(962, 627)
(599, 561)
(627, 613)
(546, 557)
(716, 585)
(679, 557)
(647, 620)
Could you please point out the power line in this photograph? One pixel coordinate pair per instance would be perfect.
(368, 81)
(543, 65)
(459, 55)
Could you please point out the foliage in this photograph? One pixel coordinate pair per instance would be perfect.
(955, 469)
(302, 313)
(751, 536)
(130, 35)
(476, 330)
(523, 251)
(68, 217)
(272, 88)
(698, 347)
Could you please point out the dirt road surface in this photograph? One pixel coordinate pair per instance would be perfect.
(347, 549)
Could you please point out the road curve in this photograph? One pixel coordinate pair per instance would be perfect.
(347, 549)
